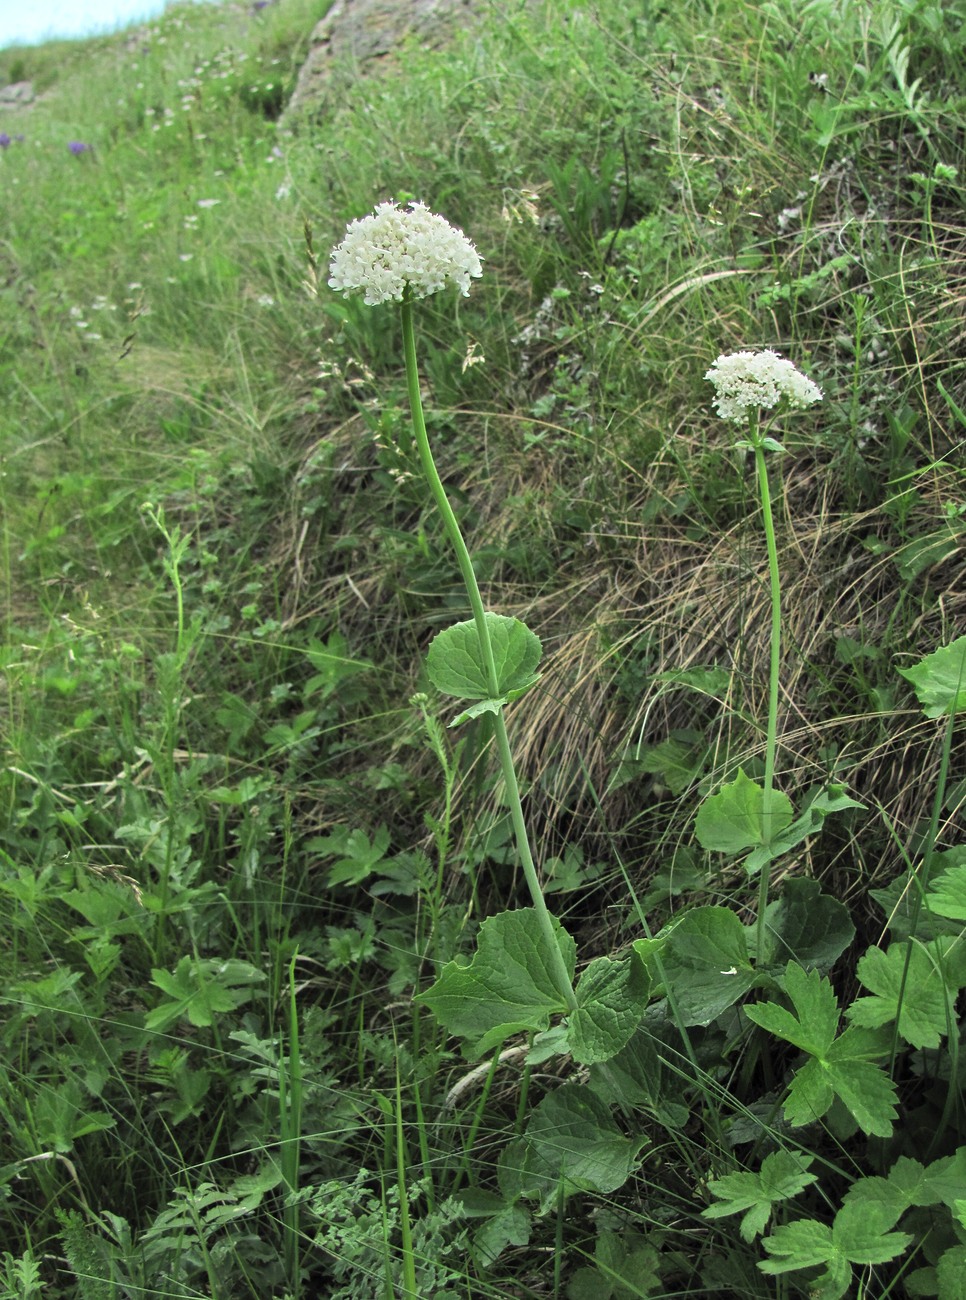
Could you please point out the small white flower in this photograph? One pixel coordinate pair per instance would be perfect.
(208, 203)
(394, 249)
(745, 380)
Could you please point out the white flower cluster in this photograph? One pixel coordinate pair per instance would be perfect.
(393, 249)
(745, 380)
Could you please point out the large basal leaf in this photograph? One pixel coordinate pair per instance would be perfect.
(612, 996)
(638, 1078)
(571, 1138)
(456, 664)
(508, 987)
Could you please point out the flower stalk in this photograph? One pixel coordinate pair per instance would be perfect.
(468, 573)
(399, 255)
(747, 383)
(771, 730)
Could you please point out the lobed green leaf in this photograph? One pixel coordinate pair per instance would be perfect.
(509, 986)
(908, 985)
(611, 996)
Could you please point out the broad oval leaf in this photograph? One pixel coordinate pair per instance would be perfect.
(706, 963)
(571, 1139)
(611, 996)
(806, 925)
(456, 663)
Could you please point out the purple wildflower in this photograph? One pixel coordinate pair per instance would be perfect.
(4, 140)
(77, 147)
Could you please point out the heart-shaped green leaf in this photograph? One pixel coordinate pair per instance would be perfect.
(457, 665)
(731, 820)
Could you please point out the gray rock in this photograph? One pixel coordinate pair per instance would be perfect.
(18, 92)
(356, 34)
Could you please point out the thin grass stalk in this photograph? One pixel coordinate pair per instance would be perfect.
(523, 1101)
(422, 1133)
(464, 1167)
(558, 1237)
(290, 1116)
(405, 1227)
(170, 682)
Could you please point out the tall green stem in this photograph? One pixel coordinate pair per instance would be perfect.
(468, 573)
(771, 735)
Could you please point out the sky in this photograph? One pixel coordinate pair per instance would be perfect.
(28, 22)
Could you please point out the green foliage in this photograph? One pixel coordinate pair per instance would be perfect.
(807, 925)
(457, 665)
(705, 962)
(571, 1144)
(939, 679)
(356, 856)
(783, 1174)
(236, 894)
(841, 1065)
(911, 985)
(611, 997)
(625, 1266)
(21, 1277)
(853, 1238)
(732, 820)
(357, 1225)
(509, 986)
(947, 896)
(198, 991)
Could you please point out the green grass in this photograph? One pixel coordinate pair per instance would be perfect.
(233, 847)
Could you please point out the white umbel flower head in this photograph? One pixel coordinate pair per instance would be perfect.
(744, 381)
(394, 249)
